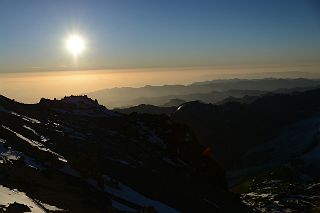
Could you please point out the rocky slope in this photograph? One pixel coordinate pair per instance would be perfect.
(268, 144)
(281, 189)
(271, 147)
(231, 129)
(75, 155)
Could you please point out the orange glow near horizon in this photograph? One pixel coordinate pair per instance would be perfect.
(30, 87)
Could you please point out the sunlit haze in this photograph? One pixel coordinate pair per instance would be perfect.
(24, 87)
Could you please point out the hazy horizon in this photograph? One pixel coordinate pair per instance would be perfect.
(30, 87)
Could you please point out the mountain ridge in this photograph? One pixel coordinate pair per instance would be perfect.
(109, 157)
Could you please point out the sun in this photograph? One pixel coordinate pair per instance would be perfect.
(75, 44)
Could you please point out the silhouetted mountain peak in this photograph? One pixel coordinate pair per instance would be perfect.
(81, 104)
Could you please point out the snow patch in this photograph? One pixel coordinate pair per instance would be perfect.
(51, 208)
(42, 138)
(133, 196)
(7, 154)
(37, 144)
(8, 196)
(26, 118)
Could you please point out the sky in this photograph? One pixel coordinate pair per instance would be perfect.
(151, 42)
(154, 33)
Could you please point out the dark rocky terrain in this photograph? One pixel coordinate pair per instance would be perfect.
(268, 144)
(281, 189)
(147, 109)
(75, 155)
(231, 129)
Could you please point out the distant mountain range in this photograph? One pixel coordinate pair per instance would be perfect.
(209, 92)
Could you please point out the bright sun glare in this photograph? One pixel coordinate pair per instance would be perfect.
(75, 44)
